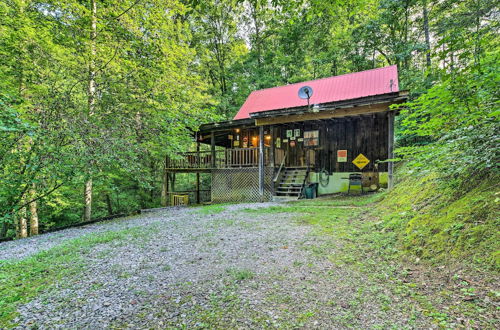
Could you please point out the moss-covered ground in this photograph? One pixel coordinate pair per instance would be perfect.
(440, 222)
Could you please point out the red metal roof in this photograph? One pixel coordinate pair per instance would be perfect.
(337, 88)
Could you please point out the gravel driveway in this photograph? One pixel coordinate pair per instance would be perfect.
(196, 269)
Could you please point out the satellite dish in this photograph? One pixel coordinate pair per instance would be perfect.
(305, 92)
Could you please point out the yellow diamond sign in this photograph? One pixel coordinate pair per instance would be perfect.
(361, 161)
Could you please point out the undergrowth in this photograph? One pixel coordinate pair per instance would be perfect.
(437, 221)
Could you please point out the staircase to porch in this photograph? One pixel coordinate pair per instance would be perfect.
(292, 183)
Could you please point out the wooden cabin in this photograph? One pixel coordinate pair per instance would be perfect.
(278, 143)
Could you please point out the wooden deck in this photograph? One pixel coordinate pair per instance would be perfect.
(204, 161)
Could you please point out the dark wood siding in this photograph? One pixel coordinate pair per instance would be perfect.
(363, 134)
(366, 135)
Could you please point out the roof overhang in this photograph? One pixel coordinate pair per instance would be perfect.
(225, 125)
(346, 108)
(395, 97)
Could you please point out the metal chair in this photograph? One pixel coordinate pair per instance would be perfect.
(355, 179)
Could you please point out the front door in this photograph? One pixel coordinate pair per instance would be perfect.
(295, 146)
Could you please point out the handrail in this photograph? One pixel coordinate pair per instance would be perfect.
(228, 158)
(281, 167)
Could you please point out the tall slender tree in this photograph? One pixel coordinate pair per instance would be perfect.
(91, 98)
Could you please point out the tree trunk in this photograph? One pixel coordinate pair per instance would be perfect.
(108, 203)
(3, 230)
(427, 36)
(91, 99)
(23, 223)
(87, 197)
(93, 52)
(33, 212)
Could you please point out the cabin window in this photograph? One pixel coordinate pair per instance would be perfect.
(267, 140)
(311, 138)
(255, 141)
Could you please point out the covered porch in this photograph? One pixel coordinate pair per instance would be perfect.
(259, 163)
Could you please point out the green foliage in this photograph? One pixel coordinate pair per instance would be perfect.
(460, 116)
(149, 100)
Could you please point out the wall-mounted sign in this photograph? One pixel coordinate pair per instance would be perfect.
(285, 140)
(230, 136)
(361, 161)
(278, 143)
(236, 143)
(297, 132)
(292, 138)
(311, 138)
(289, 133)
(245, 139)
(300, 139)
(341, 156)
(245, 144)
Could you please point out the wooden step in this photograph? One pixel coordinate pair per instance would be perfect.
(298, 177)
(279, 193)
(292, 184)
(296, 173)
(293, 179)
(289, 188)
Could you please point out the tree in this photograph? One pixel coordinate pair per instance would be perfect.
(114, 121)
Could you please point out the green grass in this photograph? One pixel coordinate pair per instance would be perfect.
(240, 274)
(211, 209)
(23, 280)
(359, 241)
(373, 234)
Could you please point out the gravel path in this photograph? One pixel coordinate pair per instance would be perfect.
(231, 269)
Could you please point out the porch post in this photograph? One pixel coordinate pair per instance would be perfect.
(271, 147)
(390, 165)
(164, 190)
(261, 162)
(167, 186)
(198, 173)
(212, 146)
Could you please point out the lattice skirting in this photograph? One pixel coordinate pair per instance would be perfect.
(240, 185)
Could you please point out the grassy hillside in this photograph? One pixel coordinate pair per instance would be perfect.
(408, 241)
(437, 221)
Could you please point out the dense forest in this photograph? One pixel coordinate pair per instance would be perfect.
(94, 94)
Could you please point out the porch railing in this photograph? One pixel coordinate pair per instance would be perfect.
(228, 158)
